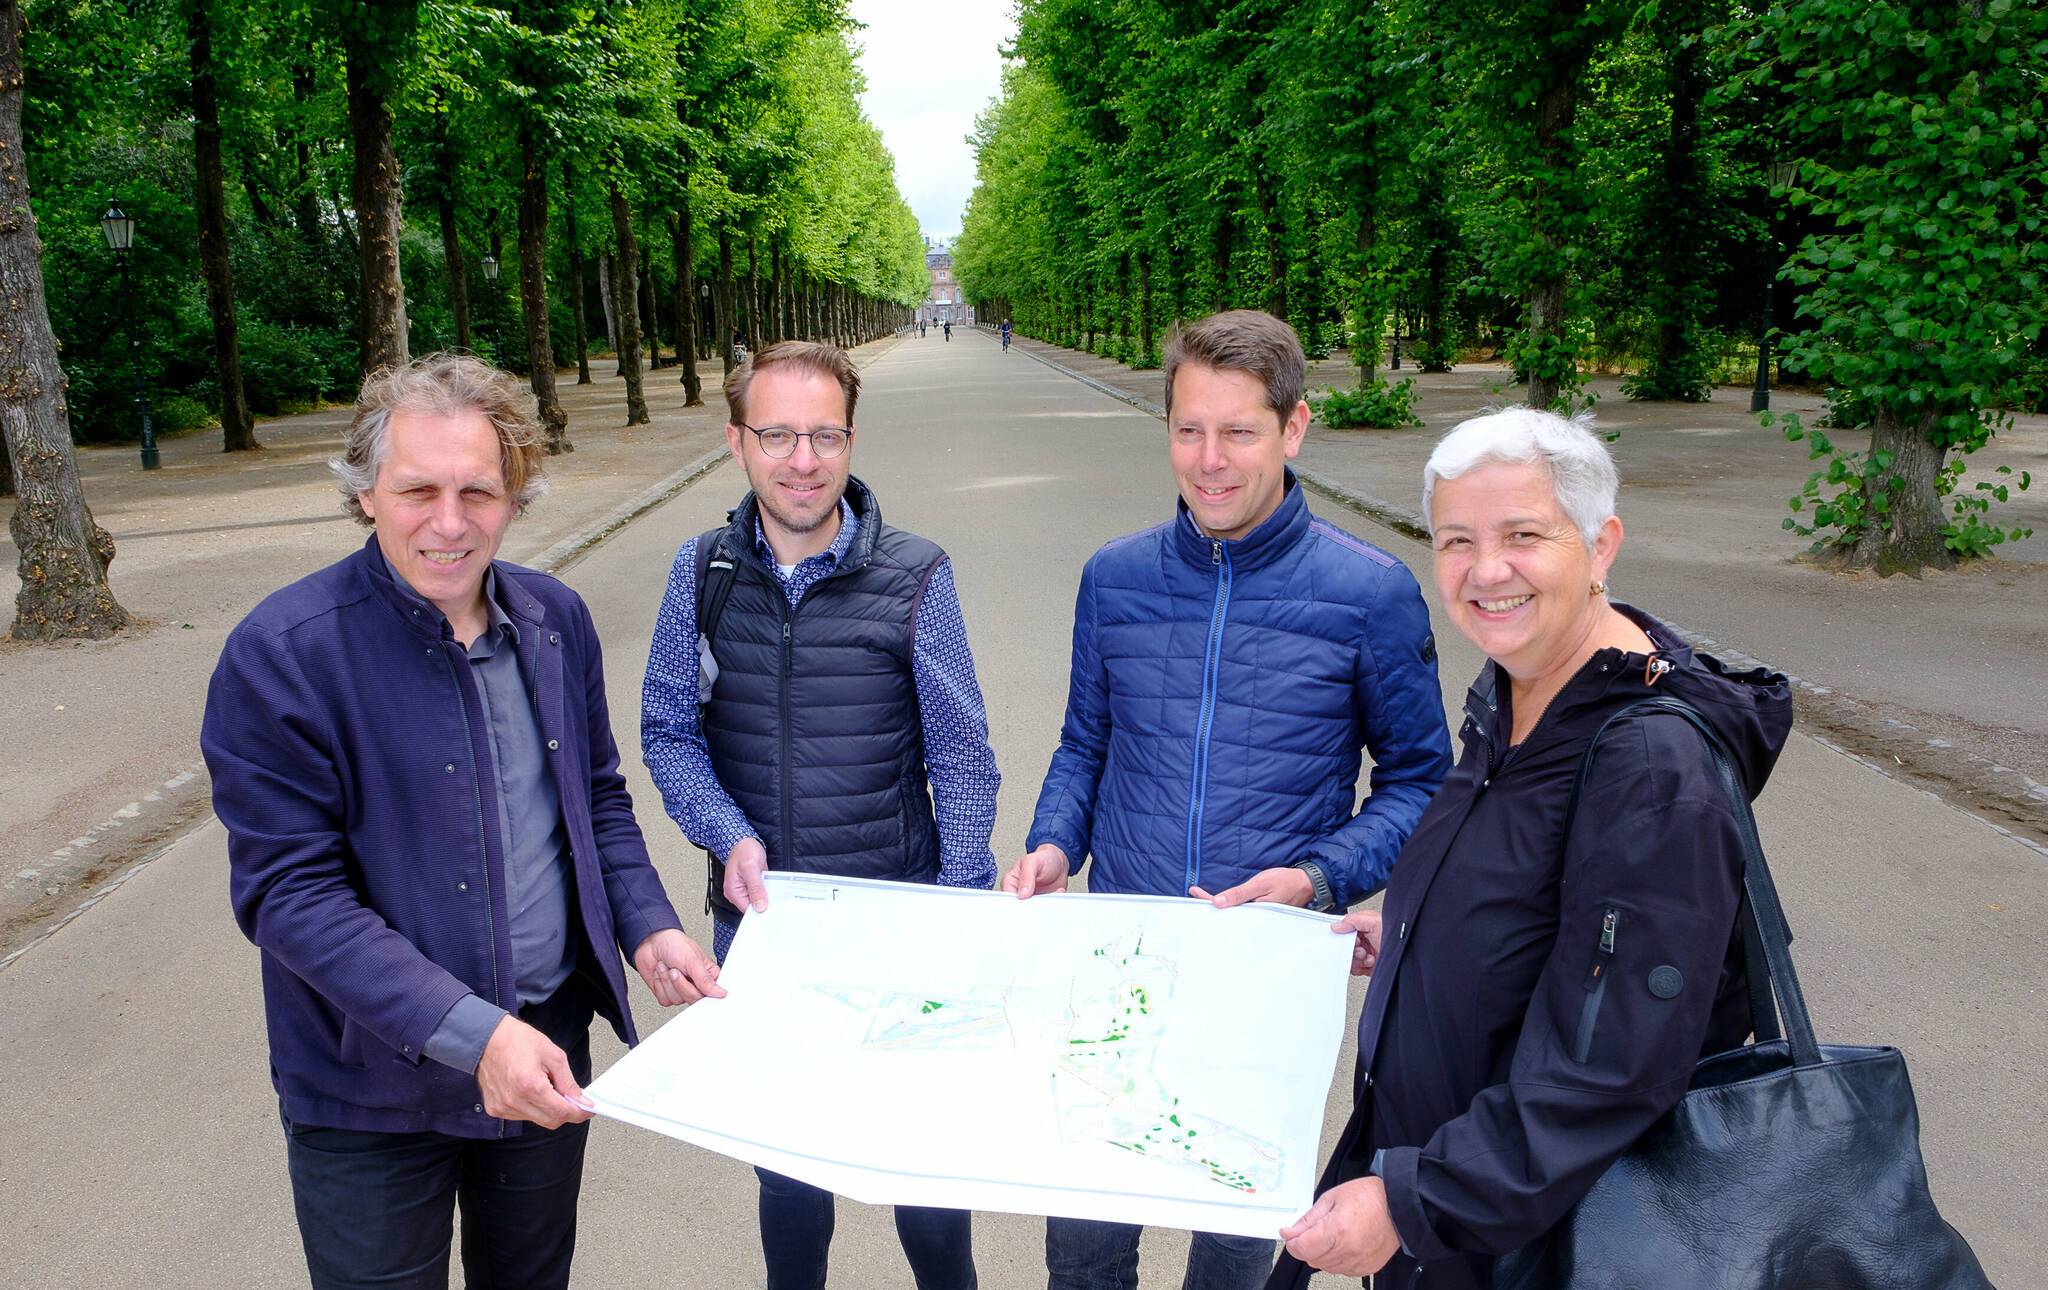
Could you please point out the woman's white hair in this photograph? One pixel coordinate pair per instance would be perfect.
(1582, 475)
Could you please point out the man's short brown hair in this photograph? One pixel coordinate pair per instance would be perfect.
(828, 361)
(440, 385)
(1243, 340)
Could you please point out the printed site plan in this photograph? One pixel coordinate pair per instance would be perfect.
(1128, 1058)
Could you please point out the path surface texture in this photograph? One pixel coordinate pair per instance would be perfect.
(142, 1145)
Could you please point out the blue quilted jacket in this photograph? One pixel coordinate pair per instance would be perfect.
(1221, 692)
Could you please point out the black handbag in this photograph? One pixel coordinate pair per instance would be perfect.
(1787, 1165)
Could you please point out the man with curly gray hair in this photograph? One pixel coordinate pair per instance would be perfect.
(430, 841)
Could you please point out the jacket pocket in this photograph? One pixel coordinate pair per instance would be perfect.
(350, 1051)
(1596, 984)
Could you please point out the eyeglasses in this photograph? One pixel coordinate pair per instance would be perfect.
(780, 441)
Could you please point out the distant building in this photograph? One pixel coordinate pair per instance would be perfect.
(945, 303)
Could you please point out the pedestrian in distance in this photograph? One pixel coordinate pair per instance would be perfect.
(948, 326)
(431, 843)
(811, 706)
(1282, 646)
(1548, 1004)
(1005, 330)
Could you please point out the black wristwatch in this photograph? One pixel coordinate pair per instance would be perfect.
(1320, 898)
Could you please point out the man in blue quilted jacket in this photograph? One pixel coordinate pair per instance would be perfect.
(1228, 666)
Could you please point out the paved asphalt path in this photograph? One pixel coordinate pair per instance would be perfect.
(141, 1145)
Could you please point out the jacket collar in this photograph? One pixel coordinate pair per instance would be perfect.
(1607, 679)
(1273, 538)
(743, 520)
(419, 615)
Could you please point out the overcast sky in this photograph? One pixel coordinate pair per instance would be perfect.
(931, 68)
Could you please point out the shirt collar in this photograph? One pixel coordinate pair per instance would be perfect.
(849, 529)
(500, 621)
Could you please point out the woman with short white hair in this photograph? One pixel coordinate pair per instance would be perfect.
(1551, 961)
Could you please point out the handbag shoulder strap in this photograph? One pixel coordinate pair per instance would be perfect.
(1766, 942)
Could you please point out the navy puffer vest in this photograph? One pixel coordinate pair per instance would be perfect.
(813, 722)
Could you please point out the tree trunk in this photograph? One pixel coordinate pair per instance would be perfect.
(777, 285)
(238, 428)
(458, 269)
(753, 294)
(1678, 272)
(1176, 283)
(686, 302)
(494, 298)
(381, 336)
(1123, 306)
(1365, 338)
(305, 201)
(452, 259)
(1144, 304)
(6, 469)
(1906, 536)
(1276, 252)
(629, 325)
(533, 294)
(1556, 107)
(724, 292)
(575, 277)
(63, 553)
(650, 312)
(1221, 252)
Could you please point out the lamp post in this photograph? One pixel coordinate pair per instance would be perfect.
(704, 317)
(490, 263)
(118, 227)
(1779, 175)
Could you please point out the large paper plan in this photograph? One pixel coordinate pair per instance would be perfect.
(1128, 1058)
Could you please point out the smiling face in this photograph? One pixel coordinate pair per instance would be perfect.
(440, 505)
(1230, 450)
(798, 494)
(1512, 570)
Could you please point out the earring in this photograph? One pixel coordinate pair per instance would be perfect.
(1600, 587)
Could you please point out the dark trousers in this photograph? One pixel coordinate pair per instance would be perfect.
(796, 1235)
(1081, 1254)
(377, 1209)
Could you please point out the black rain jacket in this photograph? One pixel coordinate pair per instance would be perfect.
(1540, 1000)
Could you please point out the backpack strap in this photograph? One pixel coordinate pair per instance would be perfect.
(716, 568)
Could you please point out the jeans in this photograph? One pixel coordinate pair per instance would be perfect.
(796, 1235)
(377, 1209)
(1081, 1254)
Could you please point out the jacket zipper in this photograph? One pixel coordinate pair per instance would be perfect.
(1212, 659)
(788, 803)
(476, 794)
(1596, 985)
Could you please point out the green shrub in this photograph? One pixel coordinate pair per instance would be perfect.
(1686, 378)
(279, 366)
(181, 412)
(1846, 410)
(1378, 406)
(1436, 357)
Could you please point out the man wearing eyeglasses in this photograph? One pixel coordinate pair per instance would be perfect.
(1256, 649)
(811, 705)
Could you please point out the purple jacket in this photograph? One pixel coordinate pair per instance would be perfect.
(351, 766)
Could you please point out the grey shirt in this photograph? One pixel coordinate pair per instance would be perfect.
(537, 870)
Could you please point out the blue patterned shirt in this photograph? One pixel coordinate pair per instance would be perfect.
(957, 756)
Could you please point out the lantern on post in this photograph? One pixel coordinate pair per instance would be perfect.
(118, 227)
